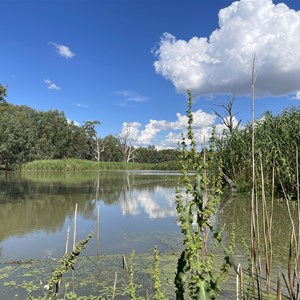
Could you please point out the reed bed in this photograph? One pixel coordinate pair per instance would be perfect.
(71, 165)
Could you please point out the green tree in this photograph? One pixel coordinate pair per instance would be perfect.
(17, 135)
(95, 145)
(52, 134)
(112, 149)
(77, 142)
(3, 93)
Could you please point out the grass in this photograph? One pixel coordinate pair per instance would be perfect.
(71, 165)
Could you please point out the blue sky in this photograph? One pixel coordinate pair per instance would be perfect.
(112, 61)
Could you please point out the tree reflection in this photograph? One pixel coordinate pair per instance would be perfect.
(34, 202)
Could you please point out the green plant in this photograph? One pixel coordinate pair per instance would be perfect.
(158, 294)
(67, 263)
(131, 278)
(196, 275)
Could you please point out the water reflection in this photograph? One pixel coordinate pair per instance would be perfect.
(235, 210)
(36, 209)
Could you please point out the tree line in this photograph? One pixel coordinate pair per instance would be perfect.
(27, 134)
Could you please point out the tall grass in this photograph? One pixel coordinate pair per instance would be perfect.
(71, 165)
(276, 138)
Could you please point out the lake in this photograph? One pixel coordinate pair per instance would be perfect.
(137, 211)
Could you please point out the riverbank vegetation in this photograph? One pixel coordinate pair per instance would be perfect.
(268, 163)
(28, 135)
(71, 165)
(277, 142)
(47, 140)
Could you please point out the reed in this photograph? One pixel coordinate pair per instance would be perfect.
(67, 240)
(75, 226)
(98, 234)
(115, 286)
(72, 165)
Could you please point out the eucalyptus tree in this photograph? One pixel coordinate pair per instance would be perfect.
(17, 137)
(127, 142)
(52, 134)
(228, 117)
(96, 147)
(229, 136)
(112, 149)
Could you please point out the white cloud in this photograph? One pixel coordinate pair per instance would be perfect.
(63, 50)
(222, 62)
(166, 134)
(81, 105)
(297, 96)
(158, 203)
(131, 96)
(51, 85)
(74, 122)
(131, 128)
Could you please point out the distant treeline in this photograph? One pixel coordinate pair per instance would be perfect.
(27, 135)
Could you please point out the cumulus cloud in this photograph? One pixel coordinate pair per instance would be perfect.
(131, 96)
(51, 85)
(166, 134)
(63, 50)
(130, 129)
(222, 62)
(157, 203)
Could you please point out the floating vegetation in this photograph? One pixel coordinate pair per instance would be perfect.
(91, 281)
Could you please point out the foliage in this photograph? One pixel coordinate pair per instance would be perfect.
(3, 93)
(276, 140)
(67, 263)
(94, 142)
(195, 274)
(152, 155)
(70, 165)
(27, 135)
(131, 288)
(158, 294)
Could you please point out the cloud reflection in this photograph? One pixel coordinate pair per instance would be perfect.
(158, 202)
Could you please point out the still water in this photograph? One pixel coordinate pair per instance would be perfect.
(137, 211)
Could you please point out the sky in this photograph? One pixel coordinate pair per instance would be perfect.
(129, 63)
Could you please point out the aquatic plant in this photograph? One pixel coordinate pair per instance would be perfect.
(158, 294)
(197, 198)
(67, 263)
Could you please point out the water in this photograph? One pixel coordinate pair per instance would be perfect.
(137, 211)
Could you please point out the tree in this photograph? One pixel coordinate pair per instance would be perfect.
(52, 134)
(112, 150)
(229, 119)
(17, 135)
(148, 155)
(127, 140)
(3, 93)
(78, 142)
(95, 141)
